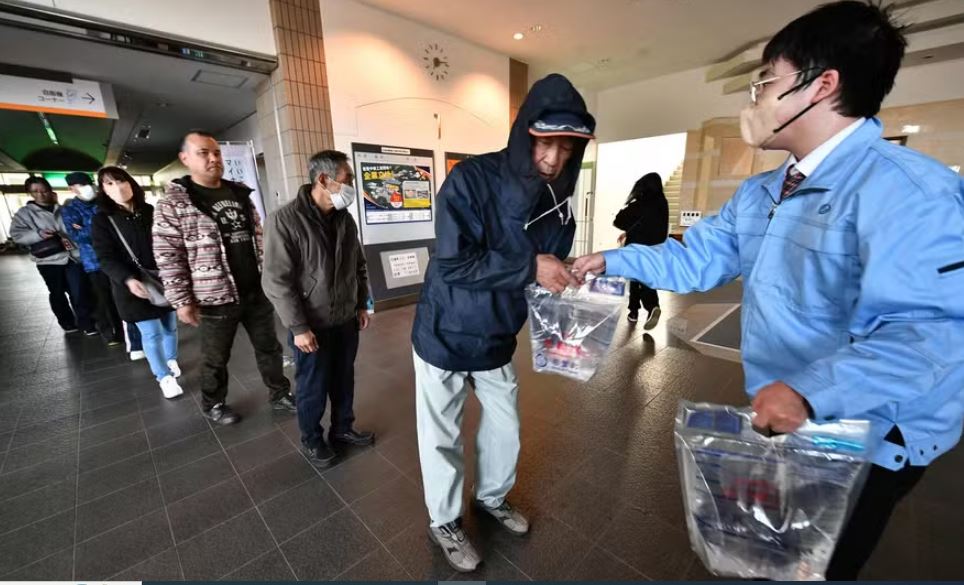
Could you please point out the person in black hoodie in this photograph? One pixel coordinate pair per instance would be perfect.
(504, 221)
(644, 221)
(121, 236)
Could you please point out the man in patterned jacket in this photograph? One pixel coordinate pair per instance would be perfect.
(208, 247)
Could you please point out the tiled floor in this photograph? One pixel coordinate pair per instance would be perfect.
(101, 478)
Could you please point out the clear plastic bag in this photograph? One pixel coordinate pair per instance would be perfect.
(767, 507)
(571, 331)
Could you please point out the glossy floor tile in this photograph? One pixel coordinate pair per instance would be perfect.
(102, 478)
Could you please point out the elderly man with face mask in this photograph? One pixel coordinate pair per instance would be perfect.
(504, 222)
(316, 276)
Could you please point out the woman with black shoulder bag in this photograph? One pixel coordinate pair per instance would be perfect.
(121, 233)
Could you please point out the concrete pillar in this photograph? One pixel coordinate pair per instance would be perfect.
(294, 109)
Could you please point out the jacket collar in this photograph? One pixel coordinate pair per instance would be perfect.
(306, 205)
(838, 165)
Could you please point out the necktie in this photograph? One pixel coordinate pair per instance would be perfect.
(791, 181)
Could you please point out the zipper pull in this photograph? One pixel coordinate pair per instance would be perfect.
(773, 209)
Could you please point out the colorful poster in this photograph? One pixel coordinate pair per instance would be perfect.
(395, 184)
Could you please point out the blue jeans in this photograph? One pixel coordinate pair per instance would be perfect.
(159, 338)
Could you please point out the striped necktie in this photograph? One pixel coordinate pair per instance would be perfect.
(791, 181)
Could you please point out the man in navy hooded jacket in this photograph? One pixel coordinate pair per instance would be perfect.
(504, 221)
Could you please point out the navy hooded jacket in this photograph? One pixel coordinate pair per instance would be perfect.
(473, 304)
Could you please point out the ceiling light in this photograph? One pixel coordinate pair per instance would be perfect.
(910, 129)
(49, 129)
(518, 36)
(535, 28)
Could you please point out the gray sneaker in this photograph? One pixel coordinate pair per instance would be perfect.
(510, 518)
(456, 548)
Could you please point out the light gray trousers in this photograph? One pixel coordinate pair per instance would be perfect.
(439, 404)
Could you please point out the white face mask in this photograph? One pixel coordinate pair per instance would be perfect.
(760, 122)
(87, 193)
(344, 197)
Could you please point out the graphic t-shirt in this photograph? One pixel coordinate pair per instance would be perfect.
(237, 234)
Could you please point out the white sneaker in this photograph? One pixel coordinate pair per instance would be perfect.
(175, 369)
(170, 387)
(138, 355)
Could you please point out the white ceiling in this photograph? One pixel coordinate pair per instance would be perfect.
(604, 43)
(141, 82)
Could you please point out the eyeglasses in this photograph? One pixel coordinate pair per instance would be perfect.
(757, 87)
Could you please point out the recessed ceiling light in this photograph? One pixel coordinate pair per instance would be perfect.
(535, 28)
(518, 36)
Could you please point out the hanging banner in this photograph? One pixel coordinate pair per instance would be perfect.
(241, 166)
(79, 97)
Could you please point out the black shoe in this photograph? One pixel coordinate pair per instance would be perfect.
(221, 414)
(284, 402)
(321, 456)
(653, 318)
(633, 316)
(353, 437)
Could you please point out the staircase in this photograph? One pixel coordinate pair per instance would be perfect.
(671, 189)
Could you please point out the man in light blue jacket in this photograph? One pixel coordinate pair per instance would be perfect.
(852, 258)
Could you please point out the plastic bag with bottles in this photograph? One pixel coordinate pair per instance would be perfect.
(767, 507)
(571, 332)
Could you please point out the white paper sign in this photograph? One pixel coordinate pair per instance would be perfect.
(240, 166)
(690, 217)
(79, 98)
(404, 265)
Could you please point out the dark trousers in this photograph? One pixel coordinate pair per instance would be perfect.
(328, 373)
(133, 337)
(218, 328)
(68, 280)
(109, 323)
(640, 292)
(882, 492)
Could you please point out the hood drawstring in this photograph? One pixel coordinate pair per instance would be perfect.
(563, 218)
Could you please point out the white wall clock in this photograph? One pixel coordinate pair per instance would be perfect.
(435, 61)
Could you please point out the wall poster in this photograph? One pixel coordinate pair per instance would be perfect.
(395, 183)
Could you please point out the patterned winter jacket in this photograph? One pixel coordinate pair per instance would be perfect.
(190, 256)
(79, 212)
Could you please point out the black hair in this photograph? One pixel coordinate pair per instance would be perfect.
(859, 39)
(195, 132)
(36, 181)
(117, 174)
(648, 186)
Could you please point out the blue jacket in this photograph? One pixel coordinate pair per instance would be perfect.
(851, 292)
(79, 212)
(472, 304)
